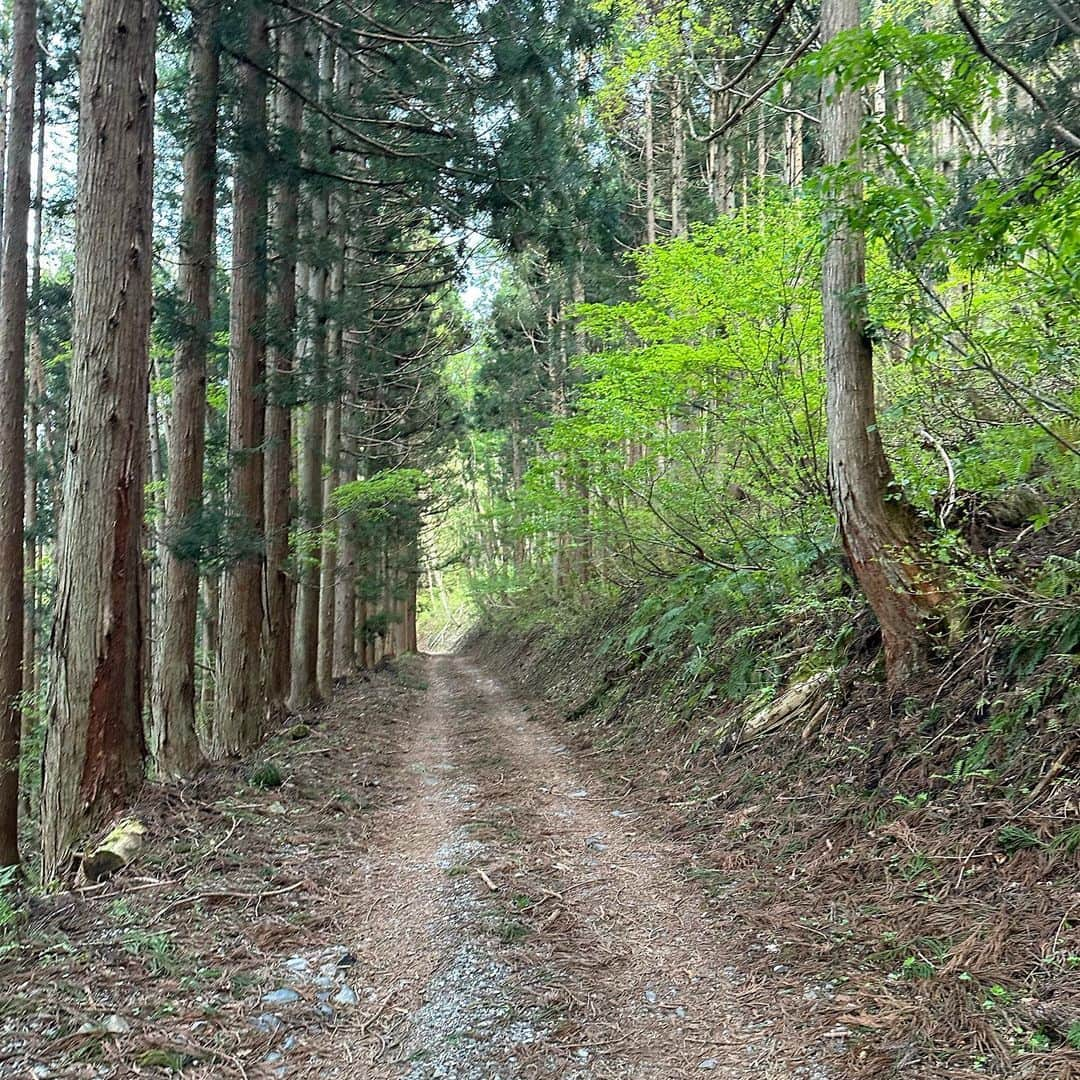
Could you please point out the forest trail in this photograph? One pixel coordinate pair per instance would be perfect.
(524, 922)
(438, 890)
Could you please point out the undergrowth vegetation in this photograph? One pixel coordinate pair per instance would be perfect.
(910, 857)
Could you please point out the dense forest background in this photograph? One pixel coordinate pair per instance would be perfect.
(754, 321)
(714, 365)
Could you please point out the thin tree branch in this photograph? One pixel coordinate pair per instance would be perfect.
(759, 52)
(765, 87)
(1002, 64)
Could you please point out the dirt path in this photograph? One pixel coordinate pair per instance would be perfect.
(438, 891)
(537, 928)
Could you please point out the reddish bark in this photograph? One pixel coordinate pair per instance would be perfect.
(94, 740)
(13, 280)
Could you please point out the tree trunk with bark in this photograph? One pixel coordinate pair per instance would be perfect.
(718, 152)
(345, 661)
(174, 745)
(5, 94)
(289, 111)
(241, 697)
(345, 599)
(94, 749)
(762, 147)
(678, 159)
(649, 155)
(878, 529)
(35, 384)
(211, 637)
(304, 690)
(13, 281)
(329, 568)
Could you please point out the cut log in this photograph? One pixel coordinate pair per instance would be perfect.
(790, 703)
(116, 851)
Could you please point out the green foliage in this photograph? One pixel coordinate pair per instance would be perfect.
(1014, 838)
(385, 495)
(9, 908)
(156, 950)
(712, 370)
(265, 775)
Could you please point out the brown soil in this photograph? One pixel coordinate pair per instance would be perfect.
(444, 888)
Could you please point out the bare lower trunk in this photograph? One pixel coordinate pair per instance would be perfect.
(649, 154)
(678, 160)
(36, 391)
(211, 638)
(280, 360)
(345, 603)
(762, 147)
(793, 144)
(348, 548)
(13, 275)
(94, 750)
(241, 691)
(328, 569)
(797, 165)
(363, 644)
(5, 117)
(304, 690)
(877, 529)
(719, 150)
(388, 602)
(412, 581)
(174, 746)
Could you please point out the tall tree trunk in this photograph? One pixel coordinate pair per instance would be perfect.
(241, 704)
(304, 685)
(678, 159)
(5, 120)
(797, 166)
(280, 359)
(718, 153)
(329, 568)
(878, 529)
(153, 448)
(762, 147)
(12, 403)
(36, 390)
(412, 582)
(345, 661)
(174, 745)
(304, 691)
(649, 153)
(210, 643)
(345, 599)
(94, 749)
(793, 142)
(328, 587)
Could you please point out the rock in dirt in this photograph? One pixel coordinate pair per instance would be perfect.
(111, 1025)
(283, 996)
